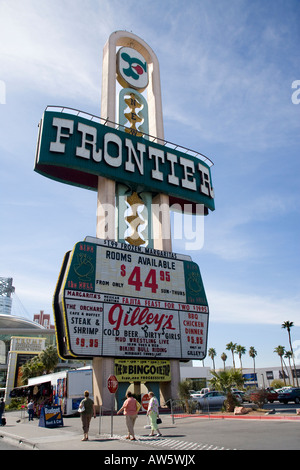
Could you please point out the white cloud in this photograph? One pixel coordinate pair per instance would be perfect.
(233, 76)
(240, 308)
(232, 233)
(55, 47)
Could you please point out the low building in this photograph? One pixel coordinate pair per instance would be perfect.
(263, 375)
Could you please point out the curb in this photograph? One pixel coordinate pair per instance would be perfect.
(18, 440)
(256, 417)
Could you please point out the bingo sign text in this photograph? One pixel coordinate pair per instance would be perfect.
(119, 300)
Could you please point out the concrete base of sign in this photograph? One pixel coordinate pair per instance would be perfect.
(102, 368)
(170, 389)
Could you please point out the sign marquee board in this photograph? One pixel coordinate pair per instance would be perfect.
(22, 349)
(76, 150)
(142, 370)
(122, 301)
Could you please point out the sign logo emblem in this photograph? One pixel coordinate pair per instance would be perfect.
(132, 69)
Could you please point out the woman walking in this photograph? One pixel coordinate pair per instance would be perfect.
(130, 409)
(152, 412)
(87, 410)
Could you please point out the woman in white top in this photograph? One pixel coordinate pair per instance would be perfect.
(152, 412)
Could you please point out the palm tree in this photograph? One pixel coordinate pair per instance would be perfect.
(253, 353)
(183, 391)
(49, 358)
(224, 358)
(280, 350)
(32, 368)
(44, 362)
(231, 347)
(288, 355)
(288, 325)
(240, 350)
(212, 353)
(224, 381)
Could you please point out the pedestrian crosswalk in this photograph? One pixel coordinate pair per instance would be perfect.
(168, 443)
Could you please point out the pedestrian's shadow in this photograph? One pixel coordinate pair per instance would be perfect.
(169, 436)
(104, 439)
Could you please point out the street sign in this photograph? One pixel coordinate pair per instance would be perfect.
(119, 300)
(112, 383)
(145, 401)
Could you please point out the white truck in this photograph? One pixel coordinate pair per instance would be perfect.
(65, 388)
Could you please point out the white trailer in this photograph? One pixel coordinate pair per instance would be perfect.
(67, 387)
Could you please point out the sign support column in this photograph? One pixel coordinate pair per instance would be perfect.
(106, 229)
(106, 206)
(103, 366)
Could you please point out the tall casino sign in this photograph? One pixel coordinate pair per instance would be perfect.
(120, 296)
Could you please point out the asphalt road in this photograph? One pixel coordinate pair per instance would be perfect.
(243, 434)
(230, 434)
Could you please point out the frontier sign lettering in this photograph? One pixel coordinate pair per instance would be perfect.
(76, 150)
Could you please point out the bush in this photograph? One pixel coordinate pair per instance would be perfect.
(277, 383)
(260, 397)
(16, 404)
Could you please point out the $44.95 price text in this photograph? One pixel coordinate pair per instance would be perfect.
(135, 278)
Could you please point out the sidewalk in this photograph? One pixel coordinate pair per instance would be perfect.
(29, 435)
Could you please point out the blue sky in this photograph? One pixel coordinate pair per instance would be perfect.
(227, 69)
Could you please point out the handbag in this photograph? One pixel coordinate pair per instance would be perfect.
(81, 409)
(158, 421)
(138, 406)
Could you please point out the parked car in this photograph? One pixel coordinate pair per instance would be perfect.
(270, 395)
(210, 400)
(204, 390)
(247, 395)
(283, 389)
(198, 393)
(238, 395)
(293, 394)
